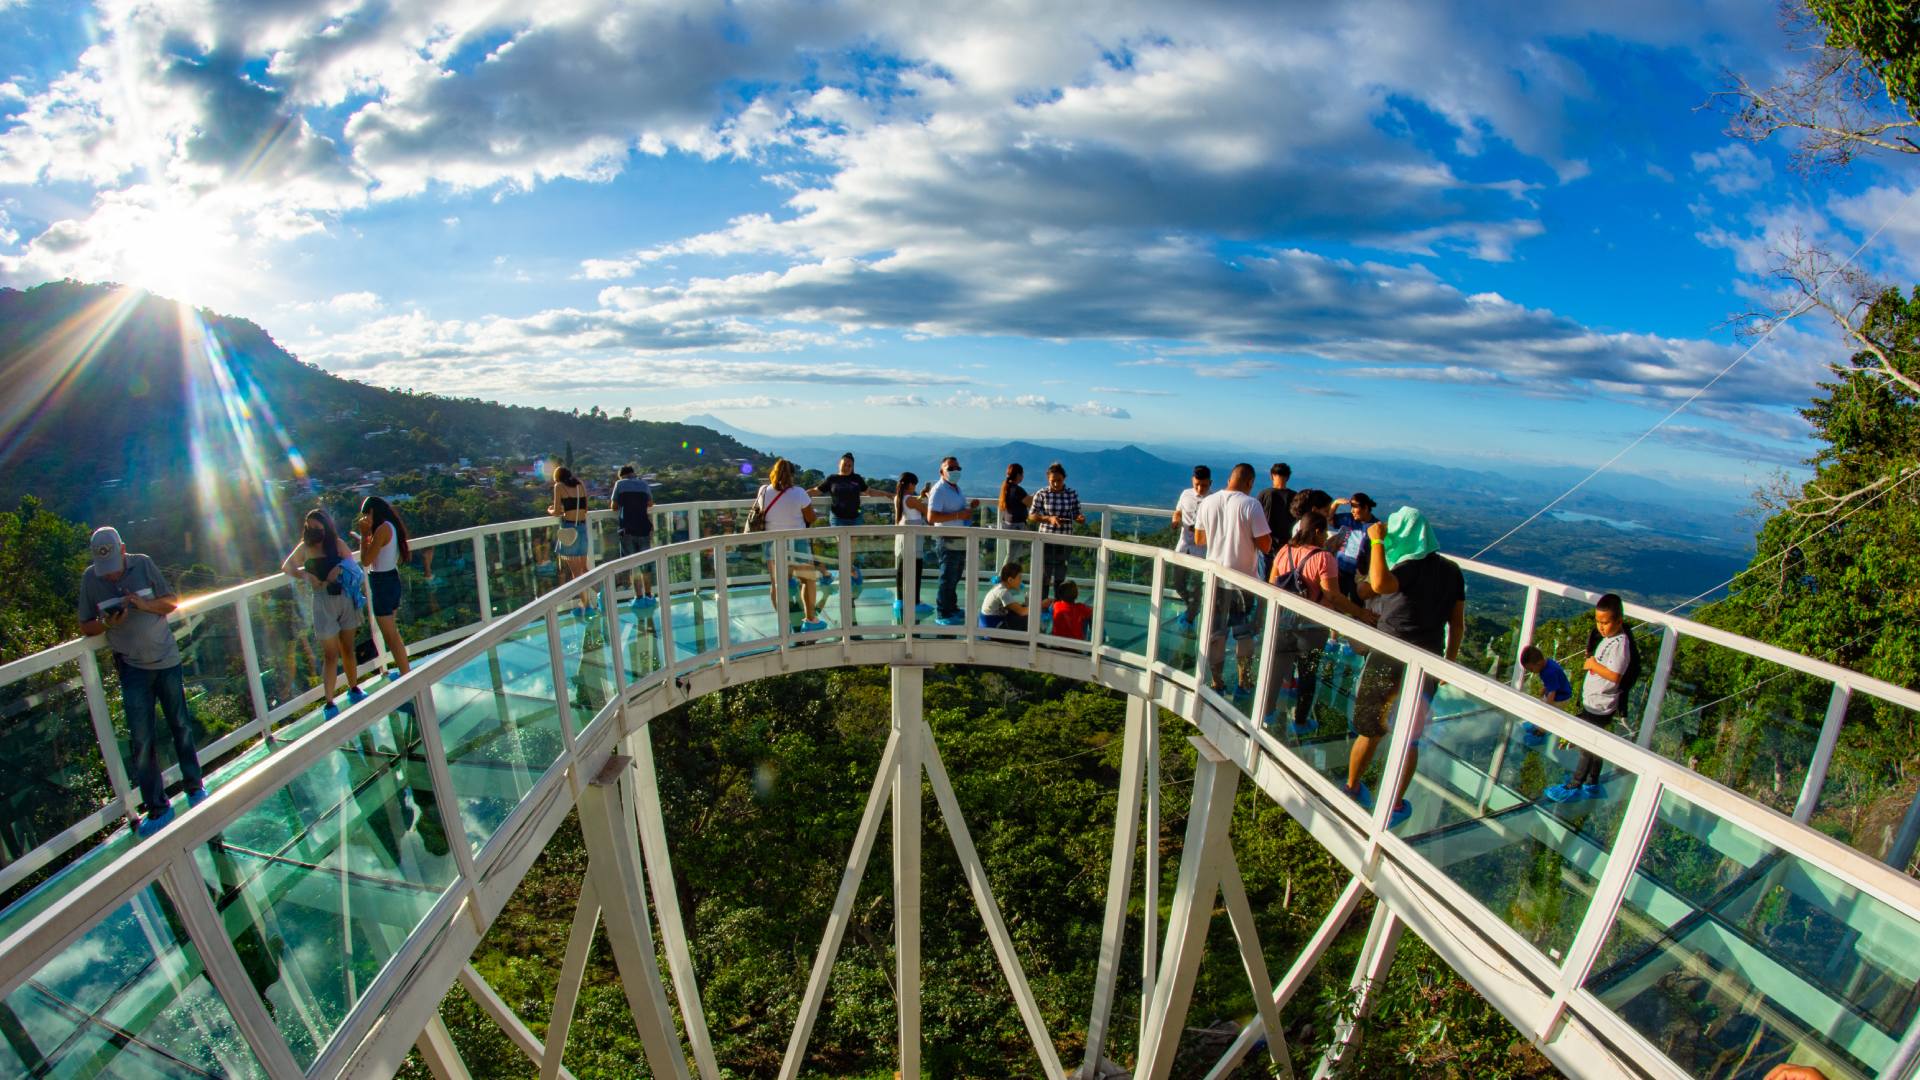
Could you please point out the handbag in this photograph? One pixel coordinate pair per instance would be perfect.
(757, 517)
(567, 535)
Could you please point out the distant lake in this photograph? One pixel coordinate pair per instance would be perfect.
(1577, 518)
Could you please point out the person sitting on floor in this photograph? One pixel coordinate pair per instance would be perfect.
(1002, 610)
(1070, 617)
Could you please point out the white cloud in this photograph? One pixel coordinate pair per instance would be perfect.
(1733, 169)
(896, 401)
(355, 303)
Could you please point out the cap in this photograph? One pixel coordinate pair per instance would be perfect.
(109, 554)
(1361, 498)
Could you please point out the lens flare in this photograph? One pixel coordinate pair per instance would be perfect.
(39, 379)
(237, 447)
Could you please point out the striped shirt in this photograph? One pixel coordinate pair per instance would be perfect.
(1063, 504)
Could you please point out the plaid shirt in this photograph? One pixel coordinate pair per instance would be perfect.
(1049, 503)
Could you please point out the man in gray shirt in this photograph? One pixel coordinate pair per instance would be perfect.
(126, 598)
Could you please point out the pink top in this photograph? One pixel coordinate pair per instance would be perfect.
(1316, 565)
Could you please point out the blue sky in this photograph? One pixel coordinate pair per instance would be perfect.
(1468, 231)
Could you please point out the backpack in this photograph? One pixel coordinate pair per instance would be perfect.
(1293, 580)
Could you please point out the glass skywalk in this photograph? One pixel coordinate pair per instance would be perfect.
(343, 869)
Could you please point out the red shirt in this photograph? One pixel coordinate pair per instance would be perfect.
(1070, 620)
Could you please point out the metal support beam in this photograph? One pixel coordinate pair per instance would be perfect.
(842, 910)
(1657, 692)
(908, 683)
(666, 903)
(1296, 977)
(976, 874)
(1126, 836)
(1376, 956)
(437, 1050)
(573, 970)
(1215, 782)
(613, 861)
(1529, 618)
(1823, 753)
(1233, 892)
(1150, 871)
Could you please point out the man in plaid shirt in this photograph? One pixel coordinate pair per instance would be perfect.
(1056, 509)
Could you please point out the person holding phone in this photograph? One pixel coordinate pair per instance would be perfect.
(125, 597)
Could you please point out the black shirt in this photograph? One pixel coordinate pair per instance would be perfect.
(845, 492)
(1418, 613)
(1016, 512)
(1278, 503)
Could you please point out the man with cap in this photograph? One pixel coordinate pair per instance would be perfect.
(125, 597)
(946, 506)
(1351, 547)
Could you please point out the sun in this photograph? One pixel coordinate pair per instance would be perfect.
(180, 251)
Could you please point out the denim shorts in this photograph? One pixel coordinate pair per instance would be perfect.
(575, 550)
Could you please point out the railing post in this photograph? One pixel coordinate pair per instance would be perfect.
(1153, 609)
(1529, 618)
(1657, 693)
(482, 587)
(1097, 626)
(1823, 753)
(250, 658)
(562, 688)
(102, 718)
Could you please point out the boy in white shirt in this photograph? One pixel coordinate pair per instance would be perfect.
(1002, 609)
(1613, 663)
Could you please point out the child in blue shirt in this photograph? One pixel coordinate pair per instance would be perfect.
(1554, 688)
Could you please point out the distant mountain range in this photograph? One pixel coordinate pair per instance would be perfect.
(1632, 533)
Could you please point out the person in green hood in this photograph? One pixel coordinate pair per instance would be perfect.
(1420, 597)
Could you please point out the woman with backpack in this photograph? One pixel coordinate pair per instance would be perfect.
(784, 506)
(1304, 567)
(324, 561)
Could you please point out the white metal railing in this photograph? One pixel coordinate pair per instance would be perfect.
(694, 573)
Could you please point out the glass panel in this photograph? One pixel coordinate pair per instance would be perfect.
(128, 999)
(695, 626)
(320, 884)
(438, 591)
(1129, 602)
(1867, 802)
(1233, 643)
(1481, 807)
(638, 625)
(1749, 723)
(1000, 549)
(51, 772)
(214, 671)
(943, 584)
(1494, 608)
(520, 566)
(813, 583)
(588, 656)
(751, 607)
(501, 727)
(1732, 956)
(1179, 604)
(283, 642)
(876, 581)
(1154, 529)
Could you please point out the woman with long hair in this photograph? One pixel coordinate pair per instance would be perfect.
(909, 508)
(570, 535)
(384, 545)
(787, 506)
(319, 559)
(1303, 566)
(1014, 500)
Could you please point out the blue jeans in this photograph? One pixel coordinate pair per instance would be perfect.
(953, 564)
(140, 691)
(844, 523)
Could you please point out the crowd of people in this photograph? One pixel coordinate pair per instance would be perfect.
(1331, 552)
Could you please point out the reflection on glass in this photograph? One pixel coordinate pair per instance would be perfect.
(1129, 602)
(439, 590)
(500, 724)
(51, 772)
(1476, 813)
(875, 584)
(1179, 604)
(1732, 956)
(128, 999)
(320, 884)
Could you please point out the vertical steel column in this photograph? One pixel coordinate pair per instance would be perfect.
(1823, 753)
(1529, 617)
(1215, 782)
(666, 902)
(1150, 871)
(1657, 693)
(908, 684)
(438, 1052)
(250, 657)
(102, 719)
(482, 587)
(1126, 836)
(573, 971)
(1097, 626)
(1376, 957)
(613, 856)
(1233, 894)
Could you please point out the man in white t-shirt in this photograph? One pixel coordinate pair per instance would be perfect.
(1234, 531)
(1185, 510)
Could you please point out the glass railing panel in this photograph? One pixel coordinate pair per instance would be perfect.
(1179, 601)
(128, 999)
(321, 884)
(943, 583)
(1867, 802)
(1154, 529)
(1001, 549)
(636, 622)
(1289, 704)
(753, 602)
(213, 670)
(1749, 723)
(1494, 609)
(721, 522)
(500, 723)
(51, 771)
(283, 642)
(1485, 805)
(1234, 641)
(1732, 956)
(696, 627)
(438, 591)
(1129, 602)
(877, 580)
(520, 566)
(813, 582)
(587, 652)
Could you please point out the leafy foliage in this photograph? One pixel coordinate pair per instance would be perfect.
(1886, 34)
